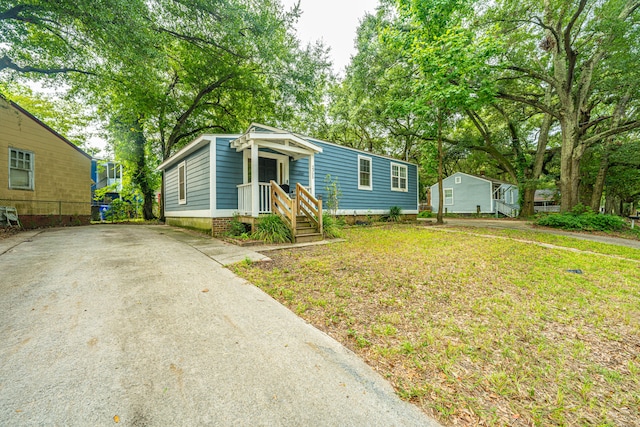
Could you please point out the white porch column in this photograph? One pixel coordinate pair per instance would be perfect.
(255, 190)
(312, 175)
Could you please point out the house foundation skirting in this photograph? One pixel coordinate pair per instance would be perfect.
(199, 224)
(220, 226)
(44, 221)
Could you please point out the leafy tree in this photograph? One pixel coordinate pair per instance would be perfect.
(582, 51)
(450, 60)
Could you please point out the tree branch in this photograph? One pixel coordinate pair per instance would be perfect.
(625, 127)
(533, 102)
(6, 62)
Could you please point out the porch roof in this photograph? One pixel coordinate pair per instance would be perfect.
(277, 140)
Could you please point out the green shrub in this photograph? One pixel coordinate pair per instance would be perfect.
(236, 228)
(395, 212)
(331, 227)
(586, 220)
(425, 214)
(272, 229)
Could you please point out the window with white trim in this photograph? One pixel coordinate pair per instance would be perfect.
(448, 196)
(458, 179)
(20, 169)
(398, 177)
(182, 183)
(364, 173)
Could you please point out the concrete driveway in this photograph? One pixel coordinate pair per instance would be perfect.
(125, 324)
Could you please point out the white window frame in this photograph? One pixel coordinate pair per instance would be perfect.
(399, 187)
(458, 179)
(370, 186)
(183, 166)
(444, 196)
(30, 171)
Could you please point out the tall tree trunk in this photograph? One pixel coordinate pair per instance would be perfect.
(598, 187)
(569, 138)
(141, 173)
(531, 185)
(439, 217)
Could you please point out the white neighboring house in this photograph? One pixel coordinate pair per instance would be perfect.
(471, 194)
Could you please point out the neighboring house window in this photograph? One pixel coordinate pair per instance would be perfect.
(182, 183)
(364, 173)
(448, 196)
(20, 169)
(458, 179)
(398, 177)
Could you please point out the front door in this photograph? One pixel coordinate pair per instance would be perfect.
(267, 170)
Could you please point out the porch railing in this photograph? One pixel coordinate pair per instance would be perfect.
(309, 206)
(245, 199)
(506, 208)
(282, 205)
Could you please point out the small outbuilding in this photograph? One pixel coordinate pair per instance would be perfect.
(470, 194)
(42, 174)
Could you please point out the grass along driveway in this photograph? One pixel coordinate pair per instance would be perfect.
(473, 329)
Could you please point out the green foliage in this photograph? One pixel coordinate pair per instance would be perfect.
(272, 229)
(425, 214)
(237, 228)
(333, 193)
(395, 213)
(119, 210)
(582, 219)
(331, 226)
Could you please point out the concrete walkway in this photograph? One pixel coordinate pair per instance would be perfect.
(128, 324)
(525, 225)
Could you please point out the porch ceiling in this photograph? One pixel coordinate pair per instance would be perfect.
(284, 143)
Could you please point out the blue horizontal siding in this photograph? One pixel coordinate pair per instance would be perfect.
(342, 164)
(198, 176)
(229, 174)
(470, 193)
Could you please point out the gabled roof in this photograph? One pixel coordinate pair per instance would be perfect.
(41, 123)
(276, 139)
(486, 178)
(193, 146)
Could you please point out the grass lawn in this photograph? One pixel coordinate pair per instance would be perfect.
(475, 329)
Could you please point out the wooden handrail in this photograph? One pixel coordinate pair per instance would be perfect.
(282, 205)
(309, 206)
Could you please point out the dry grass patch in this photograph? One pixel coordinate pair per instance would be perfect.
(475, 330)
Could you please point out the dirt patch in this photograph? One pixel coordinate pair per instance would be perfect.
(6, 232)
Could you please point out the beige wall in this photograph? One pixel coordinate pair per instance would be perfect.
(62, 174)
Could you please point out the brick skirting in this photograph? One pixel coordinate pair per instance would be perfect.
(43, 221)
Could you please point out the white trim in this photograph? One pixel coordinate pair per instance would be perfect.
(444, 197)
(281, 158)
(213, 170)
(204, 213)
(196, 144)
(457, 180)
(224, 213)
(406, 177)
(31, 171)
(182, 165)
(370, 186)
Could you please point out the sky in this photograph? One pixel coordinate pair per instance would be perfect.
(333, 21)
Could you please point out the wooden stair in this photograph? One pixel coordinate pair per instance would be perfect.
(305, 231)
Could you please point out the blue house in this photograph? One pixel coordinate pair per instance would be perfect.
(269, 170)
(471, 194)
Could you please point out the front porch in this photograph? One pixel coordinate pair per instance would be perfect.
(279, 178)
